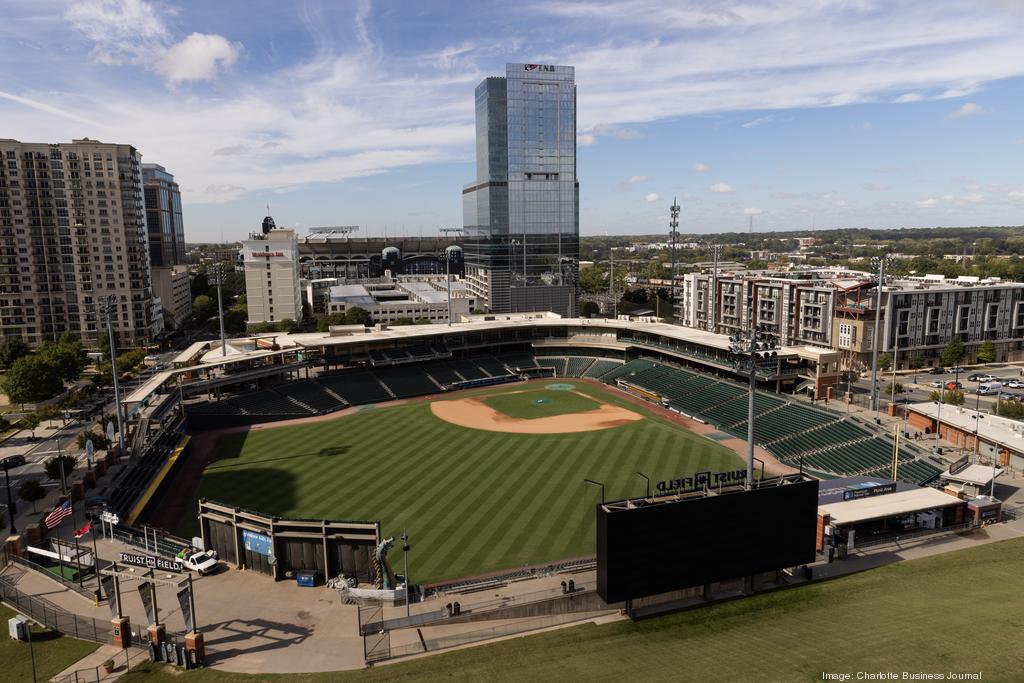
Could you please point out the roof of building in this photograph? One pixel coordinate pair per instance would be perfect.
(832, 490)
(993, 429)
(888, 505)
(978, 475)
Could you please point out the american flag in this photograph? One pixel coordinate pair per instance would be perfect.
(59, 514)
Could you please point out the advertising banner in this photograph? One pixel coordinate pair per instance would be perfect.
(108, 590)
(186, 611)
(146, 593)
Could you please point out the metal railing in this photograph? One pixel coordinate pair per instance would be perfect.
(914, 535)
(48, 614)
(67, 583)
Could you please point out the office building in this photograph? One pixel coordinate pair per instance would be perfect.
(417, 298)
(166, 243)
(521, 214)
(272, 290)
(72, 232)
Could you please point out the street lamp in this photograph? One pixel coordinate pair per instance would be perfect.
(762, 345)
(405, 558)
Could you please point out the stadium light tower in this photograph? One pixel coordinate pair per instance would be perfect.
(449, 232)
(878, 337)
(761, 346)
(107, 311)
(673, 225)
(217, 271)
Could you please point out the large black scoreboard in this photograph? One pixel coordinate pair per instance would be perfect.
(652, 546)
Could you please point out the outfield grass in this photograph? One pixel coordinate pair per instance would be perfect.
(955, 612)
(540, 403)
(53, 653)
(474, 501)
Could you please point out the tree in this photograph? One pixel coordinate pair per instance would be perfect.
(986, 352)
(54, 464)
(917, 361)
(955, 397)
(288, 325)
(1010, 409)
(326, 321)
(47, 413)
(203, 307)
(593, 280)
(953, 352)
(235, 318)
(99, 441)
(589, 309)
(358, 316)
(11, 349)
(884, 361)
(31, 491)
(31, 379)
(263, 328)
(67, 356)
(30, 422)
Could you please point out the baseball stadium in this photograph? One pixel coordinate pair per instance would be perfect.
(489, 441)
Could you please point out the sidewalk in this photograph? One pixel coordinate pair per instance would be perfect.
(90, 668)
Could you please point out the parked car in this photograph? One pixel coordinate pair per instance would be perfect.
(202, 561)
(937, 371)
(1007, 396)
(955, 369)
(14, 460)
(989, 388)
(1013, 384)
(936, 384)
(982, 378)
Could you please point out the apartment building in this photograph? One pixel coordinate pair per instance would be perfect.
(166, 232)
(72, 232)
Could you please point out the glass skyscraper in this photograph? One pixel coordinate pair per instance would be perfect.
(521, 215)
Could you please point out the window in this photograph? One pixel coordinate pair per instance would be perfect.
(991, 316)
(1018, 315)
(902, 322)
(933, 320)
(963, 318)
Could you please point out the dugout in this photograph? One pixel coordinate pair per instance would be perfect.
(861, 510)
(279, 547)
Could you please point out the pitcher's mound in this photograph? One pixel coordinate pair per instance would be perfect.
(475, 414)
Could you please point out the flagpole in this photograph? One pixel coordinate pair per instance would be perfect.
(74, 532)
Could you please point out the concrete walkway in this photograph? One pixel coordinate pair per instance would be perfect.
(90, 668)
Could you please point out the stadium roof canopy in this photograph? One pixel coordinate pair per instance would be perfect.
(977, 475)
(888, 505)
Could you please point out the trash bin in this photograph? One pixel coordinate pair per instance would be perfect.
(305, 578)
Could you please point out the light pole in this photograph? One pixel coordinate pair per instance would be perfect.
(405, 557)
(762, 345)
(596, 483)
(108, 308)
(448, 268)
(611, 282)
(218, 279)
(878, 331)
(673, 224)
(12, 511)
(716, 249)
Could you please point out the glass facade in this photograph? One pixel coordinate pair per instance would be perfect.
(521, 216)
(163, 217)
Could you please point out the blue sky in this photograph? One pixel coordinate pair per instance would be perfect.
(801, 113)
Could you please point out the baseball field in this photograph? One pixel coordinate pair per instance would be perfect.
(484, 481)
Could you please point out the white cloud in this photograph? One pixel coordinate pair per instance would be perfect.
(752, 211)
(1019, 141)
(909, 97)
(721, 188)
(926, 203)
(761, 120)
(122, 31)
(633, 180)
(866, 125)
(1016, 195)
(586, 139)
(968, 109)
(974, 198)
(652, 197)
(199, 57)
(701, 167)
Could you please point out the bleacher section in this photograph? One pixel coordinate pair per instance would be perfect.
(467, 368)
(407, 381)
(627, 369)
(601, 367)
(577, 365)
(556, 363)
(443, 373)
(357, 388)
(311, 395)
(492, 366)
(136, 476)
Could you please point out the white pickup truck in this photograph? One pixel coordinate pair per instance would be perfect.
(202, 561)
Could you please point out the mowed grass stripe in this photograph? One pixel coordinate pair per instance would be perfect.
(473, 500)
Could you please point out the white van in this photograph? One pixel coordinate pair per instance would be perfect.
(990, 388)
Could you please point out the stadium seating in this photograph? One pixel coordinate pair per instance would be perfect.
(407, 381)
(357, 388)
(311, 395)
(467, 369)
(577, 366)
(601, 367)
(626, 369)
(518, 360)
(443, 373)
(556, 363)
(492, 366)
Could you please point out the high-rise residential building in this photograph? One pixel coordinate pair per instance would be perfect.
(166, 242)
(521, 215)
(163, 216)
(272, 290)
(72, 233)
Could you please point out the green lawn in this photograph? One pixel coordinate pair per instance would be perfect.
(540, 403)
(474, 501)
(53, 653)
(955, 612)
